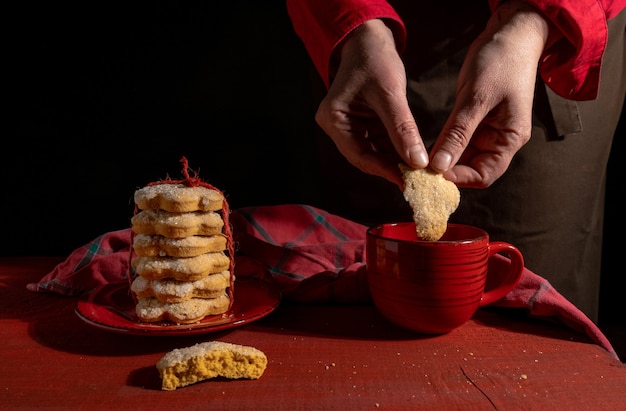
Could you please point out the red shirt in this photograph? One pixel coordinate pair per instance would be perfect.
(570, 67)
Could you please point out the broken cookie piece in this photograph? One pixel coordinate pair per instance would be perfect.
(432, 198)
(186, 366)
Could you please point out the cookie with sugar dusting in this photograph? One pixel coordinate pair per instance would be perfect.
(183, 268)
(158, 245)
(185, 312)
(177, 225)
(175, 291)
(185, 366)
(432, 198)
(178, 198)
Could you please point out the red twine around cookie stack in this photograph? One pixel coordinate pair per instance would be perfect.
(196, 181)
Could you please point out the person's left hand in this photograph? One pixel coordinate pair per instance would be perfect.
(492, 116)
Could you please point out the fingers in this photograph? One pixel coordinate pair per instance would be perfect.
(366, 111)
(403, 132)
(457, 133)
(372, 156)
(366, 144)
(373, 128)
(482, 171)
(485, 153)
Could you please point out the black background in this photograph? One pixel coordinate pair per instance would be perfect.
(108, 99)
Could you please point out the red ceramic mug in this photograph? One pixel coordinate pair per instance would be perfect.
(433, 287)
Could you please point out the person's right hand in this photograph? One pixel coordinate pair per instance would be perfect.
(366, 111)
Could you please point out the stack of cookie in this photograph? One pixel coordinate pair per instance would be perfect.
(180, 260)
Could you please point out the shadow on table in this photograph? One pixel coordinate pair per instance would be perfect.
(62, 329)
(146, 377)
(517, 320)
(365, 322)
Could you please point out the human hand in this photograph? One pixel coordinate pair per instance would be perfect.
(492, 116)
(366, 111)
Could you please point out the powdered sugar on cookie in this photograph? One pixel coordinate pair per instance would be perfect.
(432, 198)
(183, 252)
(178, 198)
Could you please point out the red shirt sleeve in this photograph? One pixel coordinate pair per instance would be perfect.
(322, 25)
(570, 66)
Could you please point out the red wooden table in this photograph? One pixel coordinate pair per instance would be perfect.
(320, 357)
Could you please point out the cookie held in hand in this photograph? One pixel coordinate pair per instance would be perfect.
(432, 198)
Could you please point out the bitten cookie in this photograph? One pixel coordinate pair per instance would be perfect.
(174, 291)
(182, 269)
(432, 198)
(184, 312)
(178, 198)
(186, 366)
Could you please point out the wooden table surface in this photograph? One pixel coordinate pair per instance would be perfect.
(320, 357)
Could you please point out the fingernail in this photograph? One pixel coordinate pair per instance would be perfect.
(419, 158)
(441, 161)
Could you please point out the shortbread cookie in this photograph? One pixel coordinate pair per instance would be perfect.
(177, 225)
(157, 245)
(182, 269)
(185, 366)
(185, 312)
(432, 198)
(173, 291)
(178, 198)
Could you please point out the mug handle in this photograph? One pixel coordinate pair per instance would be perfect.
(507, 281)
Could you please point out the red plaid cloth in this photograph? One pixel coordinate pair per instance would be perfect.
(310, 255)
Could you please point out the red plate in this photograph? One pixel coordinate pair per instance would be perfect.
(111, 307)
